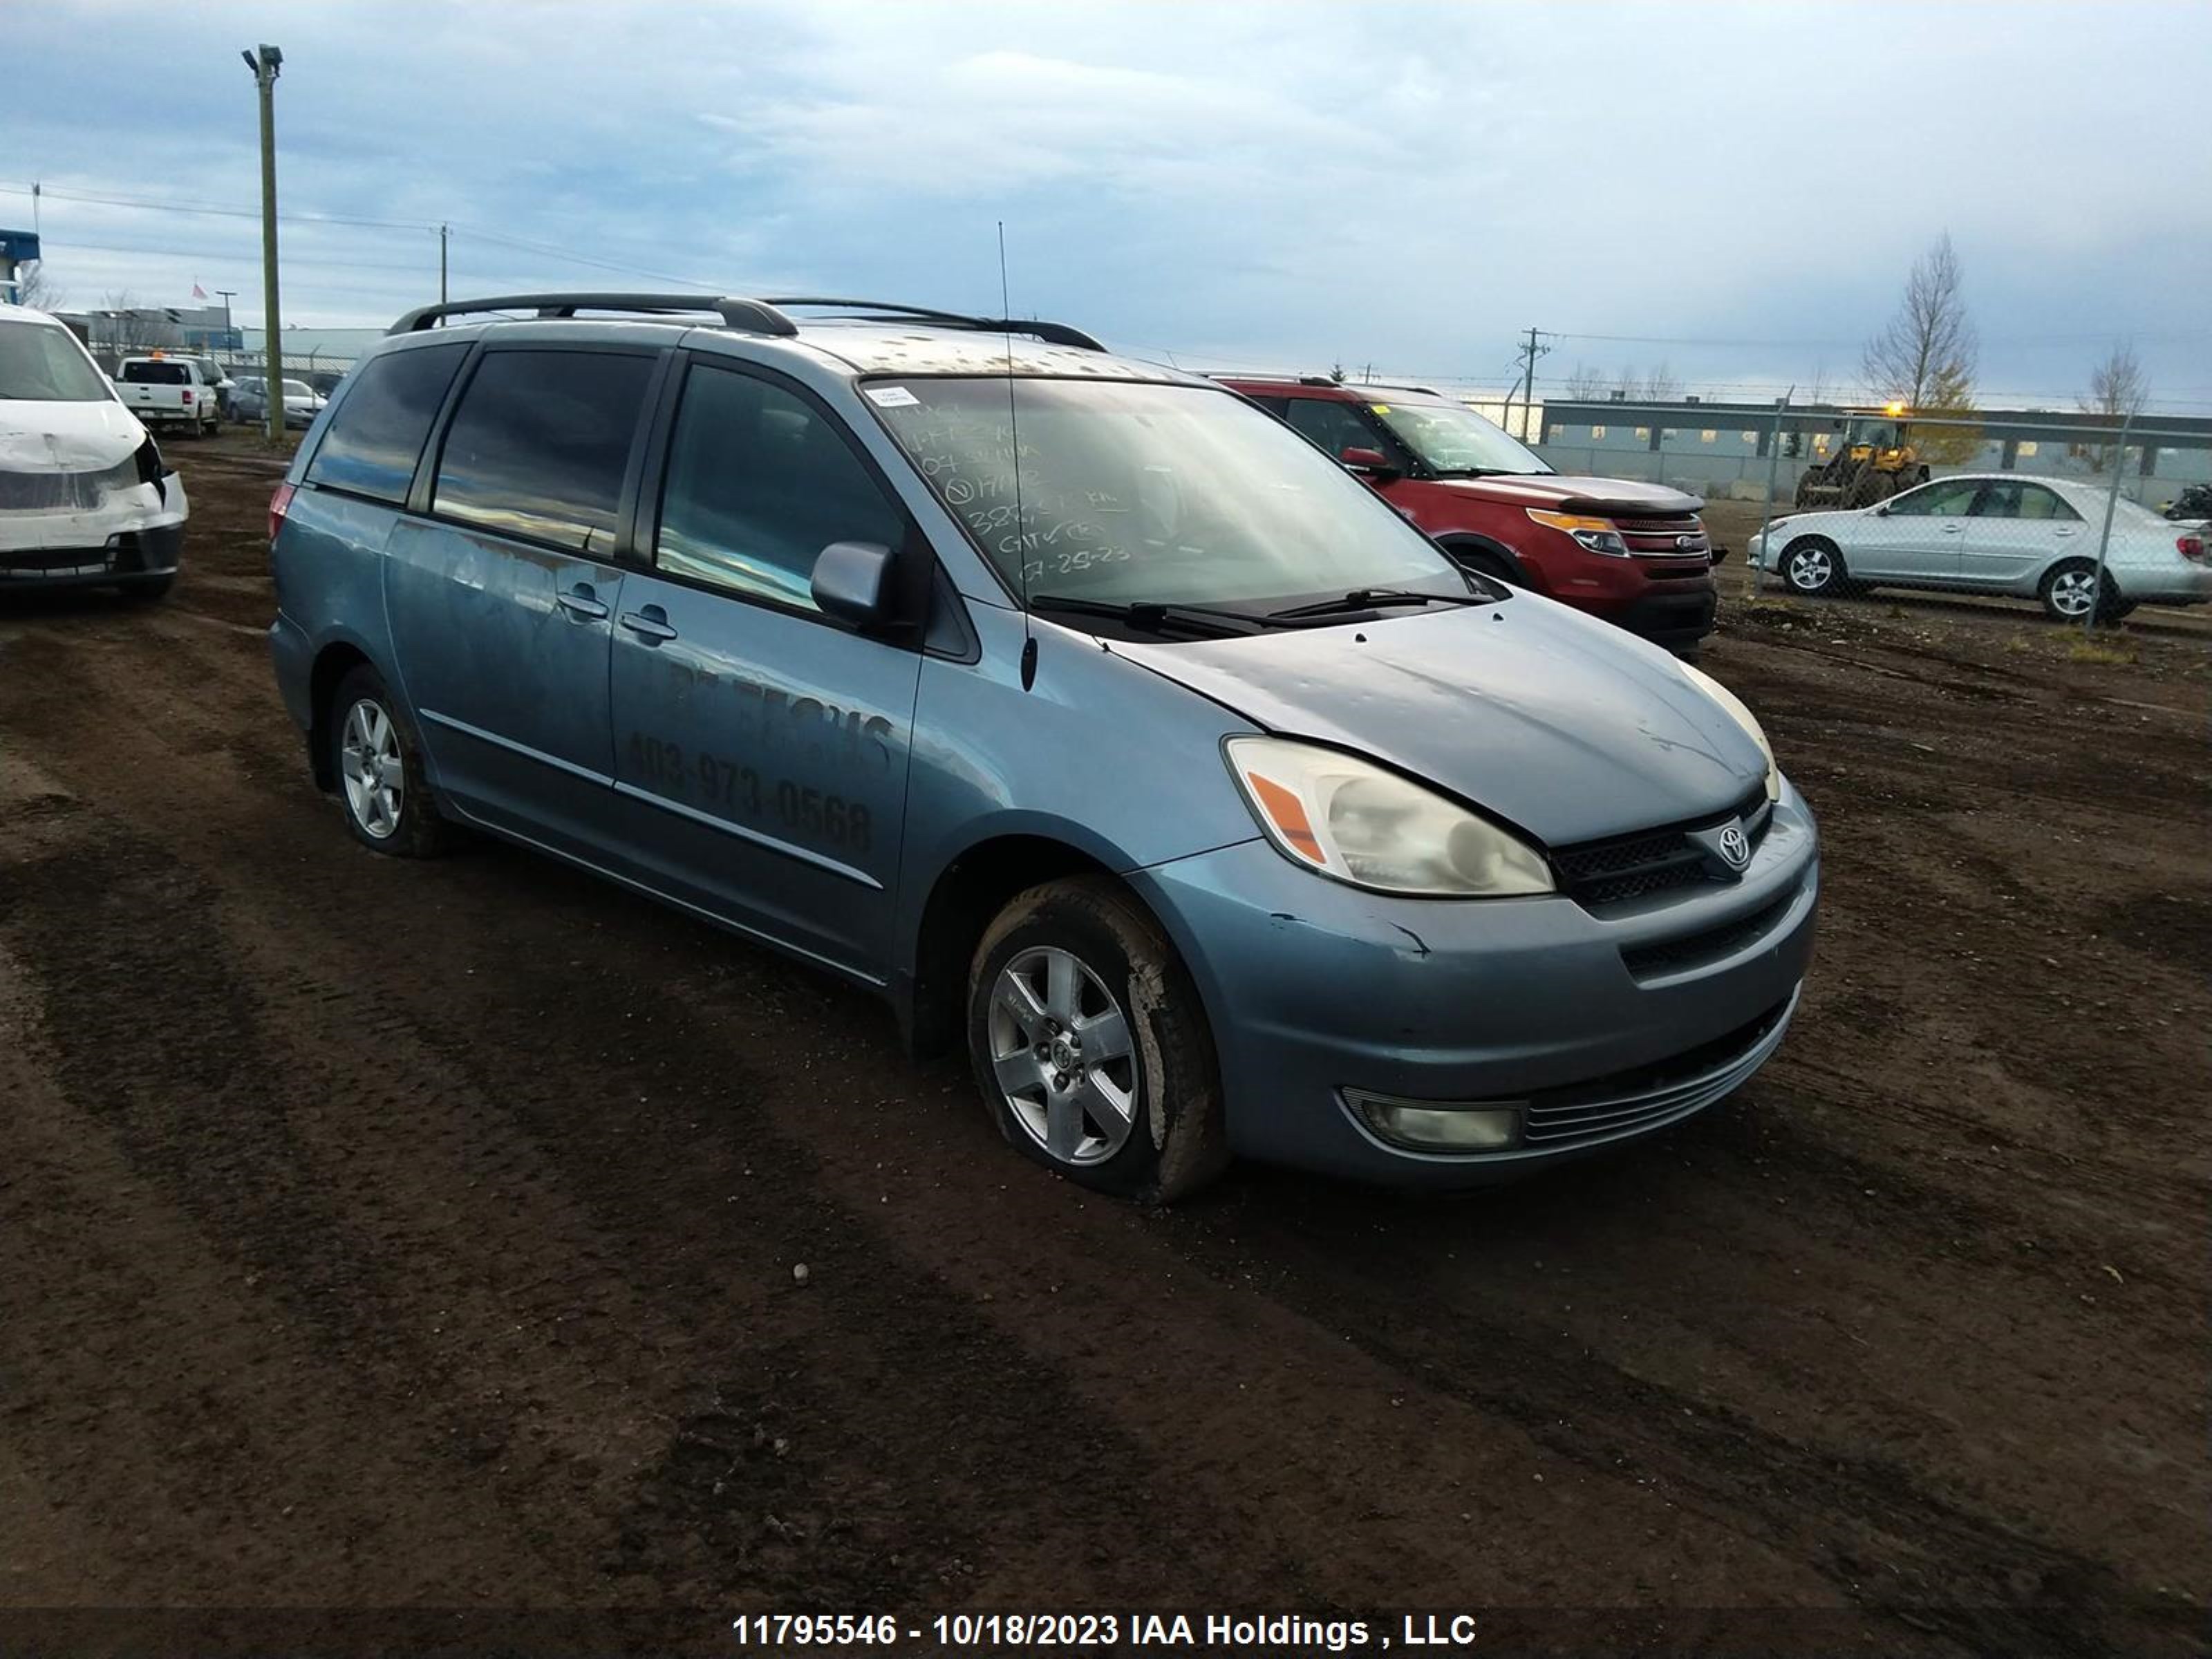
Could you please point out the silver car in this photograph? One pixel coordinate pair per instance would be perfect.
(1995, 532)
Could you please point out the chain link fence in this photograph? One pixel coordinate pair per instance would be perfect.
(2089, 518)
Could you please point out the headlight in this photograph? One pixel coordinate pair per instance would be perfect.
(1598, 535)
(1349, 818)
(1742, 716)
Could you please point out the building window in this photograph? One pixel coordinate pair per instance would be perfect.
(1596, 432)
(1751, 438)
(1708, 436)
(1819, 443)
(2026, 447)
(1644, 434)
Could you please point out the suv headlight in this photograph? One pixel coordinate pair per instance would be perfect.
(1346, 817)
(1598, 535)
(1734, 707)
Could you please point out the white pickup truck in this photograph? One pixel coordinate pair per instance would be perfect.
(162, 390)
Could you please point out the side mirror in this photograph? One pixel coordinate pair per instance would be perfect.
(1370, 461)
(1882, 512)
(853, 583)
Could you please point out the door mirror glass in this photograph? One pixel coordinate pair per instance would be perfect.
(853, 583)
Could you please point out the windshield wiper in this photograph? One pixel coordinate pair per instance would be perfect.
(1491, 472)
(1373, 599)
(1152, 616)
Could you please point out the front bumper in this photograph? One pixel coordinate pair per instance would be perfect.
(135, 535)
(1608, 1027)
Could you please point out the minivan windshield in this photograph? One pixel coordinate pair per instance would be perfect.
(1136, 494)
(40, 363)
(1456, 441)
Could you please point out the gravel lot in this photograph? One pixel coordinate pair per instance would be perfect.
(422, 1236)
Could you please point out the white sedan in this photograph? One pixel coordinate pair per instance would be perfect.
(1995, 532)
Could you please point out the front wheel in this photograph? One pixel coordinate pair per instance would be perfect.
(1811, 566)
(1089, 1044)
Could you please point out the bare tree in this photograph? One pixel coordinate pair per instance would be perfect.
(34, 289)
(2118, 389)
(1925, 356)
(1588, 385)
(1661, 386)
(128, 326)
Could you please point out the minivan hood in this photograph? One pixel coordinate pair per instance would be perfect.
(66, 437)
(1561, 725)
(1599, 497)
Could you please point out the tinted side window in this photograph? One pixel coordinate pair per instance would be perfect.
(2021, 501)
(1335, 427)
(539, 442)
(759, 483)
(377, 434)
(1949, 499)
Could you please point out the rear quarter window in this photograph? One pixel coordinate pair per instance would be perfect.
(376, 435)
(539, 442)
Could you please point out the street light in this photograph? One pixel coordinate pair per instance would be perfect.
(265, 63)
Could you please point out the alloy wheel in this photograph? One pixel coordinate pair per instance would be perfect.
(1810, 567)
(2073, 592)
(370, 765)
(1063, 1056)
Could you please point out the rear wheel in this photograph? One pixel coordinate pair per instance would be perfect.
(1089, 1044)
(1812, 565)
(382, 786)
(2070, 588)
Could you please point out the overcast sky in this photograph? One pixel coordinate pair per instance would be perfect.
(1745, 186)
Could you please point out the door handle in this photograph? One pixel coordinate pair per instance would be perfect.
(649, 624)
(2068, 531)
(1955, 529)
(581, 603)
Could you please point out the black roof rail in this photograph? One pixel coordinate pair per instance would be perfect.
(885, 310)
(751, 316)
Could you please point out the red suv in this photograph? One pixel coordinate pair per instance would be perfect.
(1635, 554)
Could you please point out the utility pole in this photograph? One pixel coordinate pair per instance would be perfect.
(442, 234)
(226, 295)
(1529, 355)
(265, 63)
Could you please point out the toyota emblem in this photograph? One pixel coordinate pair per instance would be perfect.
(1734, 848)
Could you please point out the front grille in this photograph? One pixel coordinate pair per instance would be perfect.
(1660, 538)
(64, 492)
(1647, 1096)
(1623, 867)
(1709, 944)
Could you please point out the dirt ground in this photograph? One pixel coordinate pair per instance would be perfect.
(377, 1235)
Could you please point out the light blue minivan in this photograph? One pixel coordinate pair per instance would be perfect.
(1089, 714)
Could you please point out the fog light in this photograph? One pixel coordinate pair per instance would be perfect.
(1439, 1125)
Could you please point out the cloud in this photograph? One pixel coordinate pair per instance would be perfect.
(1260, 184)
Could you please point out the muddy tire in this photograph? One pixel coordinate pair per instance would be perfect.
(1090, 1047)
(383, 788)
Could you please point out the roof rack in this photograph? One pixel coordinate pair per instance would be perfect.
(751, 316)
(884, 311)
(1258, 375)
